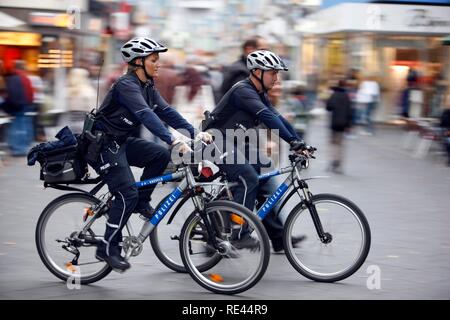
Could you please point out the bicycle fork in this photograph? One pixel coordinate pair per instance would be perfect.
(324, 237)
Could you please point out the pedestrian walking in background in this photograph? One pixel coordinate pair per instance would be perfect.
(339, 104)
(81, 98)
(352, 84)
(367, 97)
(2, 85)
(169, 78)
(238, 70)
(37, 107)
(445, 125)
(18, 101)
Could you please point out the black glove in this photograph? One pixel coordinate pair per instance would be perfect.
(297, 145)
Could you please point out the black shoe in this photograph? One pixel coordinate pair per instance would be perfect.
(297, 240)
(277, 244)
(116, 262)
(246, 242)
(145, 211)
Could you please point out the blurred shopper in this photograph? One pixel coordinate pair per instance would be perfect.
(352, 84)
(404, 101)
(312, 88)
(272, 148)
(412, 96)
(2, 85)
(113, 73)
(416, 101)
(339, 104)
(81, 98)
(445, 125)
(37, 106)
(168, 78)
(19, 99)
(367, 97)
(413, 77)
(195, 94)
(216, 80)
(189, 100)
(300, 107)
(238, 70)
(274, 94)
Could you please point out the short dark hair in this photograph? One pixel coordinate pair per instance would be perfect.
(253, 42)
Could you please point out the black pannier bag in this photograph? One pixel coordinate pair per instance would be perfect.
(62, 165)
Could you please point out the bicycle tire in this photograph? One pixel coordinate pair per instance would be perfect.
(40, 239)
(202, 280)
(319, 276)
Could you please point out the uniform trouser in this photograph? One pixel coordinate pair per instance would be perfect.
(120, 180)
(250, 188)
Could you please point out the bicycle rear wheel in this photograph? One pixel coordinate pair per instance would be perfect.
(345, 247)
(242, 243)
(59, 238)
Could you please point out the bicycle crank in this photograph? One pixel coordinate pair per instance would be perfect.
(132, 246)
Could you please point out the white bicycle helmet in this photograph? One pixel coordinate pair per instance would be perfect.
(265, 60)
(140, 47)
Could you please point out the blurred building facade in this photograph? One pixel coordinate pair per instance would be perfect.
(381, 40)
(51, 37)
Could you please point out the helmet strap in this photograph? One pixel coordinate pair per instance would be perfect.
(261, 81)
(145, 70)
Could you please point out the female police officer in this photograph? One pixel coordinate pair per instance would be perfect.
(131, 101)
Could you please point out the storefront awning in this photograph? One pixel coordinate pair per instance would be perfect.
(379, 18)
(7, 21)
(10, 23)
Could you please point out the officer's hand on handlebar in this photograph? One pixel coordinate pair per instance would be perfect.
(181, 146)
(300, 147)
(204, 136)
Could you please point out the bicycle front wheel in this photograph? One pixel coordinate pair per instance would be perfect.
(166, 235)
(343, 249)
(238, 237)
(64, 249)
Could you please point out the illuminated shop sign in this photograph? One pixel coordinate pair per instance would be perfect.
(61, 20)
(20, 39)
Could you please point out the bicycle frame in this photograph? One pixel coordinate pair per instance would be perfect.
(281, 191)
(188, 182)
(161, 211)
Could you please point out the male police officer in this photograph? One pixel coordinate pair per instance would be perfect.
(244, 103)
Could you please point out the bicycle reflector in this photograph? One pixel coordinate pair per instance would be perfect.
(88, 212)
(215, 277)
(237, 219)
(70, 267)
(205, 169)
(207, 172)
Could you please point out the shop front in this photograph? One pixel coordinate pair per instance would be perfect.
(384, 41)
(50, 43)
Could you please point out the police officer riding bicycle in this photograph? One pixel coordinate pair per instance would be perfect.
(245, 106)
(131, 101)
